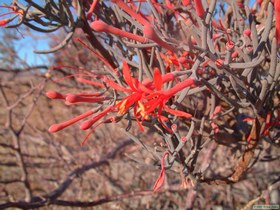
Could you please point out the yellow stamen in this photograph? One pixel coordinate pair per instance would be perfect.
(121, 107)
(142, 109)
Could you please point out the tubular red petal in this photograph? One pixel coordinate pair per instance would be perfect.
(76, 98)
(86, 138)
(177, 112)
(165, 78)
(199, 8)
(219, 63)
(150, 33)
(88, 123)
(90, 94)
(182, 60)
(180, 86)
(131, 12)
(215, 127)
(169, 5)
(100, 26)
(247, 32)
(186, 2)
(97, 84)
(116, 86)
(60, 126)
(160, 179)
(234, 54)
(55, 95)
(132, 99)
(154, 104)
(93, 129)
(157, 79)
(92, 7)
(127, 76)
(54, 128)
(216, 111)
(144, 89)
(4, 22)
(168, 77)
(163, 118)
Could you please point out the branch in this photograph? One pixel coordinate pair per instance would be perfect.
(51, 197)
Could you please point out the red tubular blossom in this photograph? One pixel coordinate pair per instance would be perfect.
(180, 86)
(214, 125)
(4, 22)
(58, 127)
(127, 76)
(131, 12)
(247, 32)
(169, 4)
(168, 77)
(183, 60)
(177, 112)
(277, 20)
(118, 87)
(234, 54)
(186, 2)
(184, 139)
(76, 98)
(165, 78)
(150, 33)
(157, 79)
(55, 95)
(219, 63)
(97, 84)
(88, 123)
(161, 178)
(174, 127)
(100, 26)
(199, 8)
(92, 7)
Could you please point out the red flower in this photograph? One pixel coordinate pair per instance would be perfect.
(146, 99)
(214, 125)
(150, 33)
(160, 180)
(199, 8)
(131, 12)
(100, 26)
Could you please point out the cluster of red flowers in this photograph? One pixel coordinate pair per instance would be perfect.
(146, 99)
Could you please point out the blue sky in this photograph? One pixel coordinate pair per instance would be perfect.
(26, 45)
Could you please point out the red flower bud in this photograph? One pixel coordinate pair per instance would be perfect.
(100, 26)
